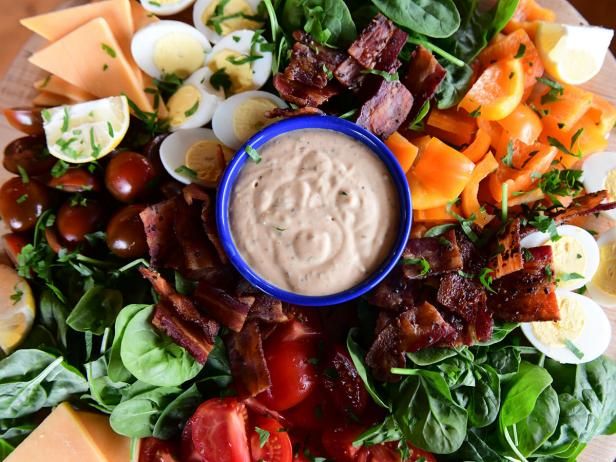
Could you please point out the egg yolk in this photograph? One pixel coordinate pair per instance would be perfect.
(240, 73)
(183, 102)
(207, 159)
(235, 15)
(568, 257)
(249, 117)
(178, 53)
(605, 277)
(570, 326)
(610, 184)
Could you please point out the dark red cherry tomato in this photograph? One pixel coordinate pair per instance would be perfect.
(125, 233)
(29, 153)
(22, 203)
(338, 442)
(312, 413)
(27, 120)
(74, 221)
(273, 446)
(129, 176)
(75, 180)
(155, 450)
(188, 451)
(219, 431)
(152, 152)
(13, 243)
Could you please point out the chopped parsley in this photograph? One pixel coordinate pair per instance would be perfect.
(253, 154)
(476, 113)
(221, 80)
(521, 51)
(545, 224)
(563, 183)
(564, 277)
(17, 295)
(59, 168)
(192, 110)
(438, 230)
(328, 73)
(96, 148)
(236, 39)
(422, 262)
(388, 76)
(21, 199)
(508, 159)
(548, 272)
(418, 123)
(46, 115)
(561, 147)
(263, 436)
(107, 49)
(110, 129)
(504, 202)
(574, 349)
(555, 92)
(66, 119)
(25, 178)
(465, 223)
(184, 170)
(105, 67)
(575, 137)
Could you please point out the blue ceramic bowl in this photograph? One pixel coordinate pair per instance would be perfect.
(230, 176)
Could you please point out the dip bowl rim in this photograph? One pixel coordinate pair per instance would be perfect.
(307, 122)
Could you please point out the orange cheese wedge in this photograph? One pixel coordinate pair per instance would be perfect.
(91, 58)
(55, 85)
(46, 99)
(141, 16)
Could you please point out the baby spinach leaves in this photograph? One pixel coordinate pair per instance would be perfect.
(427, 17)
(95, 310)
(328, 21)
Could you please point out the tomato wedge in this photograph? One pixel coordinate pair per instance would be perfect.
(342, 383)
(218, 430)
(270, 442)
(155, 450)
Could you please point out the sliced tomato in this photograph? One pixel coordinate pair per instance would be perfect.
(343, 384)
(305, 323)
(155, 450)
(218, 430)
(338, 443)
(288, 354)
(187, 448)
(311, 413)
(273, 446)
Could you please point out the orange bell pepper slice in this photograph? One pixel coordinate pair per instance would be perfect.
(589, 138)
(470, 202)
(562, 111)
(497, 92)
(529, 10)
(436, 215)
(479, 147)
(452, 126)
(522, 124)
(603, 114)
(403, 149)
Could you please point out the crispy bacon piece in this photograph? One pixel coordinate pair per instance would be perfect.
(248, 366)
(481, 330)
(158, 222)
(423, 77)
(349, 73)
(221, 306)
(509, 257)
(442, 254)
(397, 292)
(266, 308)
(375, 37)
(463, 296)
(412, 330)
(194, 193)
(304, 95)
(208, 221)
(331, 57)
(388, 60)
(306, 68)
(384, 112)
(287, 112)
(584, 205)
(184, 333)
(527, 295)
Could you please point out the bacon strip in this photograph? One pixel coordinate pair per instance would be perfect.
(442, 254)
(369, 46)
(461, 295)
(267, 309)
(158, 222)
(304, 95)
(423, 77)
(509, 257)
(384, 112)
(287, 112)
(221, 306)
(584, 205)
(248, 366)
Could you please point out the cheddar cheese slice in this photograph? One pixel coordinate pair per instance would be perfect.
(90, 58)
(55, 85)
(46, 99)
(141, 16)
(72, 436)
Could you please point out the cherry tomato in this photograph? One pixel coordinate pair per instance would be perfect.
(75, 180)
(288, 352)
(343, 384)
(129, 176)
(29, 153)
(25, 119)
(311, 413)
(277, 445)
(155, 450)
(219, 431)
(338, 442)
(54, 241)
(152, 152)
(74, 221)
(188, 451)
(13, 243)
(22, 203)
(126, 234)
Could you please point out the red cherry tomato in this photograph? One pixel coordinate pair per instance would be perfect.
(13, 243)
(343, 384)
(74, 221)
(29, 153)
(126, 234)
(75, 180)
(338, 443)
(22, 203)
(155, 450)
(311, 413)
(188, 451)
(25, 119)
(277, 445)
(219, 431)
(129, 176)
(288, 353)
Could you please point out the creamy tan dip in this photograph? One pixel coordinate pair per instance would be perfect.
(317, 215)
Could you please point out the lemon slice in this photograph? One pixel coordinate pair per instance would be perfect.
(572, 54)
(87, 131)
(17, 309)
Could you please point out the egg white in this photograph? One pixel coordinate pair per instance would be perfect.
(595, 169)
(592, 341)
(210, 99)
(222, 123)
(165, 9)
(211, 34)
(173, 150)
(261, 68)
(598, 295)
(591, 251)
(144, 42)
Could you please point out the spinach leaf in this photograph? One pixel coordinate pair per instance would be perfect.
(357, 356)
(540, 424)
(381, 433)
(475, 448)
(499, 333)
(53, 315)
(455, 85)
(328, 21)
(153, 357)
(505, 360)
(175, 415)
(428, 17)
(427, 414)
(33, 379)
(595, 387)
(429, 356)
(116, 370)
(484, 399)
(105, 393)
(5, 449)
(95, 310)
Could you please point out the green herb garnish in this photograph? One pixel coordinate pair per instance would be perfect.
(574, 349)
(388, 76)
(263, 436)
(107, 49)
(192, 110)
(184, 170)
(422, 262)
(253, 154)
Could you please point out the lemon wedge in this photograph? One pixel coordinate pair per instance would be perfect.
(572, 54)
(17, 309)
(87, 131)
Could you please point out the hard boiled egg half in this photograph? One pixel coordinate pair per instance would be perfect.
(599, 173)
(602, 287)
(242, 60)
(582, 334)
(194, 156)
(575, 255)
(194, 103)
(169, 48)
(243, 115)
(218, 18)
(165, 7)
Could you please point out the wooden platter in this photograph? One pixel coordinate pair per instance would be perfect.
(16, 90)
